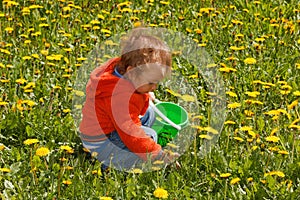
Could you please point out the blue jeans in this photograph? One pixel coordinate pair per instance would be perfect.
(113, 152)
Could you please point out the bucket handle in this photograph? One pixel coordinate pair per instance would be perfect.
(163, 116)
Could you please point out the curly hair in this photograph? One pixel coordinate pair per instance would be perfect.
(140, 48)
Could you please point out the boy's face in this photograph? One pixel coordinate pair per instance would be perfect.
(149, 87)
(146, 80)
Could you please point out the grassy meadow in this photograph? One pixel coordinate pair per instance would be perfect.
(254, 45)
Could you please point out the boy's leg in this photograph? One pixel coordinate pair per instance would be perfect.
(150, 132)
(114, 152)
(147, 121)
(149, 118)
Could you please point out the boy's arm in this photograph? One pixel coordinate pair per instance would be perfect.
(128, 126)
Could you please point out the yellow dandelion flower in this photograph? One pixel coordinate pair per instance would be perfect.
(272, 139)
(27, 42)
(293, 104)
(56, 87)
(67, 182)
(29, 102)
(94, 154)
(188, 98)
(234, 181)
(63, 159)
(210, 130)
(257, 102)
(100, 16)
(173, 93)
(253, 94)
(277, 173)
(67, 110)
(294, 126)
(21, 81)
(161, 193)
(128, 10)
(258, 82)
(78, 106)
(296, 93)
(137, 24)
(43, 25)
(5, 81)
(286, 87)
(234, 105)
(5, 51)
(263, 181)
(285, 92)
(232, 94)
(205, 137)
(227, 69)
(225, 175)
(295, 121)
(68, 168)
(9, 29)
(136, 171)
(274, 131)
(30, 141)
(97, 172)
(29, 85)
(229, 122)
(283, 152)
(155, 168)
(254, 147)
(246, 128)
(238, 139)
(174, 146)
(67, 148)
(250, 179)
(3, 103)
(106, 198)
(79, 93)
(252, 134)
(274, 149)
(165, 2)
(126, 3)
(158, 162)
(93, 22)
(248, 113)
(7, 170)
(42, 151)
(272, 112)
(238, 22)
(44, 52)
(2, 147)
(259, 39)
(235, 48)
(250, 61)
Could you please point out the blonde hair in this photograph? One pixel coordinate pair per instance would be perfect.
(140, 48)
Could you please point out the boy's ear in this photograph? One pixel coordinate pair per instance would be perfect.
(129, 68)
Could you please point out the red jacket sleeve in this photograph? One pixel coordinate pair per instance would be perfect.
(126, 120)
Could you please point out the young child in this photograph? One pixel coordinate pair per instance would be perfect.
(116, 121)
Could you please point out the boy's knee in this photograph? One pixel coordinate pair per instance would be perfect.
(150, 132)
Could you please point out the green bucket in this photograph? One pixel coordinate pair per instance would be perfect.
(164, 130)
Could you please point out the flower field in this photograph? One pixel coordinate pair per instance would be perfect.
(254, 45)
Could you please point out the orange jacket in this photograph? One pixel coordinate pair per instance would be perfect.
(112, 104)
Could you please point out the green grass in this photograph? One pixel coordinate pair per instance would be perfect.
(58, 36)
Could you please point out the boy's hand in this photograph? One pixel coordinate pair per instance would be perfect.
(170, 157)
(152, 96)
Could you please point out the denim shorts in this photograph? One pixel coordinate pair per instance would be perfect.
(113, 152)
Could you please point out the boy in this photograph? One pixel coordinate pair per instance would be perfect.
(117, 95)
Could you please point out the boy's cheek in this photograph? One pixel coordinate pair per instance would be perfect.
(144, 89)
